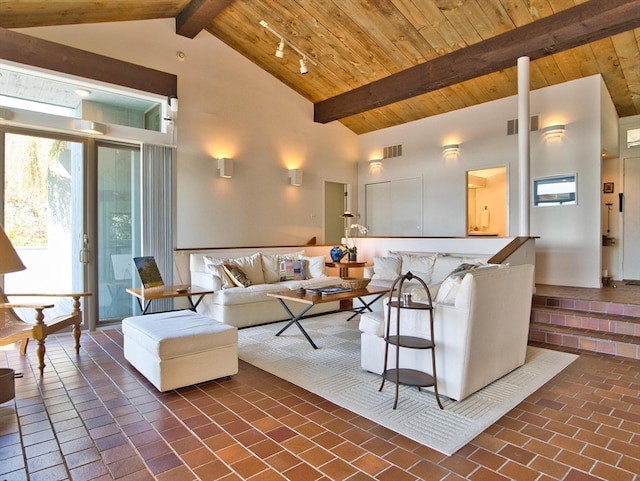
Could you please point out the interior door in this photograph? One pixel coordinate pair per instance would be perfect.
(631, 219)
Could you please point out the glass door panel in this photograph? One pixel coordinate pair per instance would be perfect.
(118, 228)
(43, 212)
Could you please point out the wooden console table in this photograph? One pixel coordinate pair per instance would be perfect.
(144, 296)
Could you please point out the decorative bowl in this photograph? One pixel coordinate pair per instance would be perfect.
(355, 282)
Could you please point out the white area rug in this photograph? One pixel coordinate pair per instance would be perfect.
(333, 372)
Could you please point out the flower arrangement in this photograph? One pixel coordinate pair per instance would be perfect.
(353, 250)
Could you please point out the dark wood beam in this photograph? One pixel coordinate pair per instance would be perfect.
(579, 25)
(28, 50)
(197, 15)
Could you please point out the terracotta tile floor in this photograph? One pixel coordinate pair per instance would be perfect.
(94, 417)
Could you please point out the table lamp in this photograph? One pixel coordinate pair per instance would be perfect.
(9, 259)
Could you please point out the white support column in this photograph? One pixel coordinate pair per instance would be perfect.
(524, 147)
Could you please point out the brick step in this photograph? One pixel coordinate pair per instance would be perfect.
(595, 321)
(624, 345)
(599, 307)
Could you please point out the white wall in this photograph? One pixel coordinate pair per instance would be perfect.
(228, 107)
(568, 250)
(231, 108)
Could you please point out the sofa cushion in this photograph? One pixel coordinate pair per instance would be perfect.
(418, 265)
(237, 275)
(315, 266)
(291, 270)
(251, 266)
(386, 268)
(242, 295)
(271, 265)
(215, 267)
(449, 290)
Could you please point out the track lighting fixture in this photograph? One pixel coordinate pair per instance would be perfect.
(305, 58)
(303, 66)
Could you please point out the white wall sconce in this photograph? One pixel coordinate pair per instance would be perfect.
(375, 163)
(6, 114)
(296, 177)
(90, 127)
(225, 166)
(553, 131)
(451, 149)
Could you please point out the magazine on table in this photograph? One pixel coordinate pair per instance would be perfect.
(325, 291)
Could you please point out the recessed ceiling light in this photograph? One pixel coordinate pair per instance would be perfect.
(83, 92)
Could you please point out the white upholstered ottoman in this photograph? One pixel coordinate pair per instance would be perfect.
(180, 348)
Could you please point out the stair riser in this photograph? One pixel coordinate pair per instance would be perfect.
(585, 343)
(631, 310)
(581, 321)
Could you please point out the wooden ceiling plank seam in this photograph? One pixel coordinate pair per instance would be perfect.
(260, 43)
(626, 48)
(566, 62)
(406, 35)
(548, 68)
(27, 50)
(197, 15)
(418, 18)
(609, 66)
(518, 12)
(375, 27)
(363, 68)
(460, 21)
(575, 26)
(496, 18)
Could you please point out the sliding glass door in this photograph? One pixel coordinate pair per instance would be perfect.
(118, 227)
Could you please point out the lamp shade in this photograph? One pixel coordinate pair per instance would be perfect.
(9, 260)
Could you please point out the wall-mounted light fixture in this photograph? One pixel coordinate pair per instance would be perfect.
(451, 149)
(375, 163)
(553, 131)
(6, 114)
(305, 57)
(225, 166)
(296, 177)
(90, 127)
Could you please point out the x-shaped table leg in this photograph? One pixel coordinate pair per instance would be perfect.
(295, 320)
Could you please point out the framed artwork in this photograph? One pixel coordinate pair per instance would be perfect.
(607, 188)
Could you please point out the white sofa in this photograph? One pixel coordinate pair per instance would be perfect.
(481, 329)
(248, 306)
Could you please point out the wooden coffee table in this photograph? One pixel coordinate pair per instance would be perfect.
(313, 299)
(144, 295)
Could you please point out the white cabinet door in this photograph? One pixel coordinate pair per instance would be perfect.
(394, 208)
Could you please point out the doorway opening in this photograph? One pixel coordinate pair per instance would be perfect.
(487, 202)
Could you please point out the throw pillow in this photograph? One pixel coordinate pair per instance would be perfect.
(271, 265)
(315, 266)
(215, 267)
(251, 266)
(292, 270)
(418, 265)
(449, 290)
(386, 268)
(237, 275)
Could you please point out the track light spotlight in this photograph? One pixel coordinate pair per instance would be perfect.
(280, 51)
(303, 66)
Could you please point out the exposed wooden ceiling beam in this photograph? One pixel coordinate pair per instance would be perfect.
(28, 50)
(197, 15)
(579, 25)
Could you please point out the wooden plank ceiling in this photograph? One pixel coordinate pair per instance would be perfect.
(356, 43)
